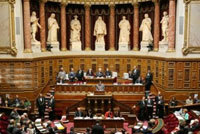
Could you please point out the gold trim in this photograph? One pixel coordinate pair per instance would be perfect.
(27, 51)
(155, 50)
(43, 50)
(87, 49)
(187, 49)
(12, 46)
(112, 49)
(63, 49)
(135, 49)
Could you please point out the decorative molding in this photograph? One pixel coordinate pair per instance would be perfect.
(11, 48)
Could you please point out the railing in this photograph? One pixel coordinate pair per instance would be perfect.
(123, 107)
(74, 106)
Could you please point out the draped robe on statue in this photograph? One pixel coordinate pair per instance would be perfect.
(52, 33)
(100, 30)
(125, 27)
(75, 30)
(146, 30)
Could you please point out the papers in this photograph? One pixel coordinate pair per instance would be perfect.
(78, 118)
(59, 126)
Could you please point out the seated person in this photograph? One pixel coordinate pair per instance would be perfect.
(139, 80)
(109, 114)
(80, 74)
(90, 73)
(100, 86)
(16, 102)
(108, 73)
(173, 102)
(14, 114)
(72, 75)
(189, 101)
(61, 75)
(78, 113)
(27, 104)
(117, 113)
(99, 73)
(185, 115)
(89, 113)
(8, 101)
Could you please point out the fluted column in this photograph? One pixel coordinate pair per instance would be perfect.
(43, 26)
(87, 28)
(27, 26)
(156, 25)
(112, 28)
(63, 27)
(172, 30)
(136, 27)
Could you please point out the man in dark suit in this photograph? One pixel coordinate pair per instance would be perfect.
(135, 74)
(16, 102)
(72, 75)
(108, 73)
(80, 74)
(97, 129)
(90, 73)
(51, 105)
(160, 107)
(78, 113)
(139, 80)
(41, 105)
(149, 107)
(148, 80)
(142, 111)
(99, 73)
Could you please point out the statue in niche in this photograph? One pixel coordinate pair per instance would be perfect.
(100, 30)
(165, 26)
(146, 29)
(34, 27)
(52, 27)
(75, 29)
(125, 28)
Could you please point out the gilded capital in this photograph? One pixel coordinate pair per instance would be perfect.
(64, 4)
(43, 1)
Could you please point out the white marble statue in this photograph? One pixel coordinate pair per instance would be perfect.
(165, 26)
(75, 30)
(100, 30)
(52, 27)
(34, 27)
(125, 28)
(146, 29)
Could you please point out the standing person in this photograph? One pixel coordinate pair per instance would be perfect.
(61, 77)
(17, 101)
(135, 74)
(160, 107)
(80, 75)
(97, 128)
(142, 111)
(41, 105)
(51, 105)
(72, 75)
(148, 80)
(173, 102)
(150, 107)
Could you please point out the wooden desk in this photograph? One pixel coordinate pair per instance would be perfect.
(8, 110)
(105, 81)
(108, 88)
(108, 123)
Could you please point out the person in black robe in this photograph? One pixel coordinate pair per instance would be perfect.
(160, 107)
(90, 73)
(51, 105)
(142, 112)
(41, 105)
(149, 107)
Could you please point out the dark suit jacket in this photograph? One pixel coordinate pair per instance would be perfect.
(108, 73)
(78, 114)
(99, 74)
(149, 78)
(41, 103)
(97, 129)
(89, 73)
(79, 75)
(135, 74)
(51, 103)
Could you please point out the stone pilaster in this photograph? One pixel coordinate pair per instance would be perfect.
(87, 28)
(43, 25)
(136, 27)
(27, 26)
(63, 27)
(112, 28)
(172, 25)
(156, 25)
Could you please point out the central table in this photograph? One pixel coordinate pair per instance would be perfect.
(107, 123)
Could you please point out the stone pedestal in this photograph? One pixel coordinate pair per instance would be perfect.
(123, 46)
(55, 46)
(76, 46)
(163, 46)
(36, 47)
(144, 46)
(99, 47)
